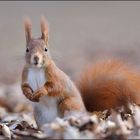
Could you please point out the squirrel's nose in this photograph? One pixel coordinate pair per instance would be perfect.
(36, 59)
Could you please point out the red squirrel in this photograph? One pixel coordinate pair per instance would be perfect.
(44, 83)
(102, 86)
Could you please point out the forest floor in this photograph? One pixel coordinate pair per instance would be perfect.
(17, 122)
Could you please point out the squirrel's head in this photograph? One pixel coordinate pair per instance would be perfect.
(37, 52)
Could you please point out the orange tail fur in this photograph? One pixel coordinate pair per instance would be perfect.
(109, 84)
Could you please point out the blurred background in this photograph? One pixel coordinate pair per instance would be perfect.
(80, 32)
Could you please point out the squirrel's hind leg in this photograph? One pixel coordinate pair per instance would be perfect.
(70, 104)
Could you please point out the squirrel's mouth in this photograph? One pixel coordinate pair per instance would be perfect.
(36, 61)
(37, 64)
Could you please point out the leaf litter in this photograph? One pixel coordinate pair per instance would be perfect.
(18, 123)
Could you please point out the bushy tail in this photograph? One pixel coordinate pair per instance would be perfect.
(108, 84)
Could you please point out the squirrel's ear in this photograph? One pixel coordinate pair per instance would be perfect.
(44, 29)
(27, 26)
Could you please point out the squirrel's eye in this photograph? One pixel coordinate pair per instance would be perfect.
(27, 50)
(46, 49)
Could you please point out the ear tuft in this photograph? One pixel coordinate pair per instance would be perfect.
(44, 29)
(27, 26)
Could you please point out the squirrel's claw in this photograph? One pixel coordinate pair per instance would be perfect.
(39, 93)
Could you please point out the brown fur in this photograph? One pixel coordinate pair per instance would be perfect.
(70, 103)
(109, 84)
(58, 84)
(27, 26)
(44, 29)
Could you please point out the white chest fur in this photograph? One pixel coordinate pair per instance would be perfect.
(46, 110)
(36, 78)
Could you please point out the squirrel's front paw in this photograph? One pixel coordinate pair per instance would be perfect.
(27, 91)
(39, 93)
